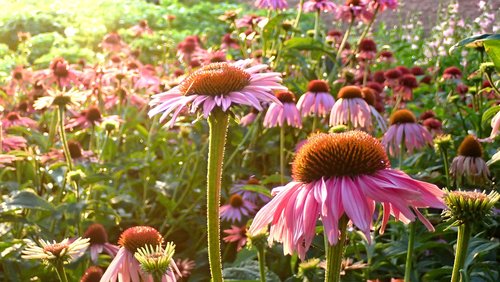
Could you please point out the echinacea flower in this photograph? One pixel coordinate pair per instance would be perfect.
(125, 267)
(14, 119)
(112, 42)
(391, 77)
(249, 118)
(469, 163)
(158, 261)
(99, 241)
(284, 113)
(495, 126)
(247, 194)
(7, 159)
(386, 56)
(271, 4)
(71, 98)
(469, 206)
(336, 174)
(236, 235)
(317, 101)
(405, 133)
(319, 5)
(228, 42)
(236, 209)
(184, 266)
(48, 252)
(350, 109)
(141, 28)
(87, 118)
(218, 85)
(92, 274)
(10, 142)
(61, 73)
(405, 86)
(452, 73)
(370, 98)
(367, 49)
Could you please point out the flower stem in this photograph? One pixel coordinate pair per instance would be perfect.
(316, 25)
(261, 257)
(61, 273)
(282, 154)
(464, 234)
(218, 123)
(335, 253)
(69, 161)
(444, 156)
(409, 252)
(299, 14)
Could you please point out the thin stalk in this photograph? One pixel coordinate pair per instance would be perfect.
(299, 14)
(218, 123)
(409, 253)
(368, 27)
(62, 132)
(61, 273)
(335, 253)
(464, 234)
(282, 154)
(344, 39)
(316, 24)
(444, 156)
(261, 257)
(495, 88)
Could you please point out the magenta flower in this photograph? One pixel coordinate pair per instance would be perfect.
(405, 129)
(336, 175)
(228, 42)
(249, 118)
(236, 235)
(271, 4)
(319, 5)
(14, 119)
(148, 80)
(99, 242)
(317, 101)
(469, 163)
(452, 73)
(218, 85)
(405, 86)
(236, 209)
(350, 109)
(367, 49)
(284, 113)
(125, 267)
(354, 9)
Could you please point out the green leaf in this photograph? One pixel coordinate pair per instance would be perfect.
(475, 41)
(492, 47)
(306, 43)
(247, 271)
(257, 189)
(26, 199)
(489, 114)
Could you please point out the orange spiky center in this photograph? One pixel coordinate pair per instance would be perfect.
(215, 79)
(236, 201)
(139, 236)
(349, 153)
(369, 95)
(470, 147)
(13, 116)
(75, 150)
(350, 92)
(402, 116)
(318, 86)
(285, 96)
(56, 249)
(93, 114)
(96, 233)
(92, 274)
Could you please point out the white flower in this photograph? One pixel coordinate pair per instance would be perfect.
(48, 251)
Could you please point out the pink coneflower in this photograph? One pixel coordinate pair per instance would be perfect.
(434, 126)
(14, 119)
(228, 42)
(319, 5)
(403, 70)
(99, 242)
(113, 42)
(236, 209)
(141, 28)
(350, 109)
(495, 125)
(10, 142)
(334, 36)
(371, 99)
(386, 56)
(187, 48)
(125, 266)
(367, 49)
(317, 101)
(147, 79)
(383, 4)
(336, 174)
(19, 81)
(61, 73)
(236, 235)
(218, 85)
(271, 4)
(92, 274)
(417, 71)
(249, 118)
(206, 57)
(391, 77)
(6, 159)
(354, 9)
(469, 163)
(405, 86)
(404, 130)
(249, 195)
(452, 73)
(87, 118)
(248, 21)
(185, 266)
(427, 114)
(285, 113)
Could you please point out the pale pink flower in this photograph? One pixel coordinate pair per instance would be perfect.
(7, 159)
(354, 9)
(61, 73)
(336, 175)
(271, 4)
(228, 42)
(14, 119)
(141, 28)
(249, 118)
(285, 113)
(147, 79)
(495, 125)
(317, 101)
(236, 209)
(319, 5)
(218, 85)
(125, 267)
(187, 48)
(404, 130)
(350, 109)
(112, 42)
(236, 235)
(12, 142)
(99, 242)
(469, 163)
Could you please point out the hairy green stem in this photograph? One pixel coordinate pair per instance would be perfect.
(261, 257)
(218, 123)
(409, 252)
(464, 234)
(335, 253)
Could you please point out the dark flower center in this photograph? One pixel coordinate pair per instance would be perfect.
(350, 92)
(368, 45)
(56, 248)
(253, 181)
(369, 95)
(453, 72)
(402, 116)
(93, 114)
(138, 237)
(112, 38)
(392, 74)
(417, 70)
(236, 201)
(403, 70)
(470, 147)
(285, 96)
(408, 80)
(96, 233)
(18, 75)
(386, 54)
(92, 274)
(75, 150)
(60, 68)
(318, 86)
(13, 116)
(214, 80)
(353, 2)
(349, 153)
